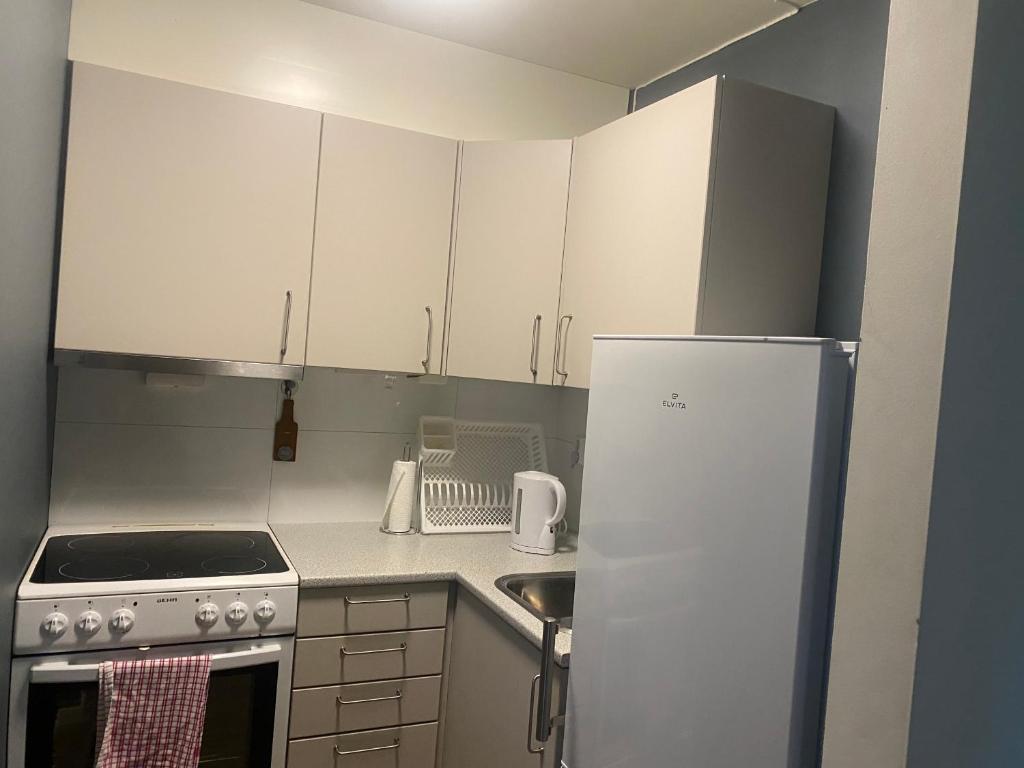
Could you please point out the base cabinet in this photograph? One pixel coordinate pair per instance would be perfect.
(372, 699)
(488, 716)
(411, 746)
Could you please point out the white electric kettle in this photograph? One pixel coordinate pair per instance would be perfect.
(538, 506)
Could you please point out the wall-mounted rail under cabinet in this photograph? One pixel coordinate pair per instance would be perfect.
(188, 241)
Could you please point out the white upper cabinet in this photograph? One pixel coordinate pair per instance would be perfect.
(188, 221)
(700, 214)
(508, 259)
(380, 263)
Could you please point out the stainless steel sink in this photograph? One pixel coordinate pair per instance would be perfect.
(542, 594)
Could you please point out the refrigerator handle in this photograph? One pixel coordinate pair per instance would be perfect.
(545, 682)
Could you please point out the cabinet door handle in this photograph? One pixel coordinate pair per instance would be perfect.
(398, 695)
(340, 753)
(562, 344)
(545, 680)
(535, 347)
(400, 649)
(529, 719)
(430, 339)
(286, 323)
(403, 599)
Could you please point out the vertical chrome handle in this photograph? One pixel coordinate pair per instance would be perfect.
(561, 345)
(535, 347)
(430, 339)
(529, 719)
(286, 323)
(546, 680)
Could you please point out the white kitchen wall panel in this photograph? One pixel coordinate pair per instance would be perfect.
(97, 396)
(345, 401)
(188, 221)
(380, 262)
(128, 452)
(118, 473)
(482, 400)
(338, 476)
(702, 213)
(301, 54)
(508, 259)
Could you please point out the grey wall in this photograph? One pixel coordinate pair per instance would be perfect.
(911, 253)
(33, 50)
(969, 685)
(832, 51)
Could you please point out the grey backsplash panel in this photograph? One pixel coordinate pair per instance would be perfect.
(33, 65)
(127, 451)
(833, 51)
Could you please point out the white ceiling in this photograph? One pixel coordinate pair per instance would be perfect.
(625, 42)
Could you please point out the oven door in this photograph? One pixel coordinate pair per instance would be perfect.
(53, 705)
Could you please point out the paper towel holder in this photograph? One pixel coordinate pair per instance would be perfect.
(406, 456)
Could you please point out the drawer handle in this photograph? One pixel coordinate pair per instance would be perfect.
(399, 649)
(340, 753)
(403, 599)
(398, 695)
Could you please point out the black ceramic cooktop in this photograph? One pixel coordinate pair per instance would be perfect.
(137, 555)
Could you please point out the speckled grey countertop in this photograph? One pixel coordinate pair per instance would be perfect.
(341, 554)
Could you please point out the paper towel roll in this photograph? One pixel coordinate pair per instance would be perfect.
(400, 498)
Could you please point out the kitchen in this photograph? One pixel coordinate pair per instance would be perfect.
(230, 380)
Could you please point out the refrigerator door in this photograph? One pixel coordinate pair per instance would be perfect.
(705, 553)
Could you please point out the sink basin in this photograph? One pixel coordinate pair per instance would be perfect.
(542, 594)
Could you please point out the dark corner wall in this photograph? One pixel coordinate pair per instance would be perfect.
(969, 683)
(832, 51)
(33, 67)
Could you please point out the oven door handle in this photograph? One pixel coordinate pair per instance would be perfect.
(65, 672)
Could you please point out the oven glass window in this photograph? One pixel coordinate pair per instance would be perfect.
(238, 732)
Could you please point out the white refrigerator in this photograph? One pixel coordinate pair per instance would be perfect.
(706, 551)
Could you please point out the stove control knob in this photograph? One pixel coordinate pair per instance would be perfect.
(122, 620)
(207, 614)
(237, 613)
(265, 611)
(89, 623)
(54, 624)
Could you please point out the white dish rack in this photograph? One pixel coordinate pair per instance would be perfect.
(466, 470)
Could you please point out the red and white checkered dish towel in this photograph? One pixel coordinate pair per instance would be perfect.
(151, 712)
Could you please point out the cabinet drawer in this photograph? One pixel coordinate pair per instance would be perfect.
(358, 658)
(341, 708)
(383, 608)
(411, 746)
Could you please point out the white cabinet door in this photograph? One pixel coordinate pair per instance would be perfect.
(508, 259)
(383, 228)
(188, 218)
(635, 230)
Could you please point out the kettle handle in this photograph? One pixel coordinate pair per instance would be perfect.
(559, 490)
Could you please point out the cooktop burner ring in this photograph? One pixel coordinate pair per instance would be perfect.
(215, 543)
(95, 568)
(102, 544)
(233, 565)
